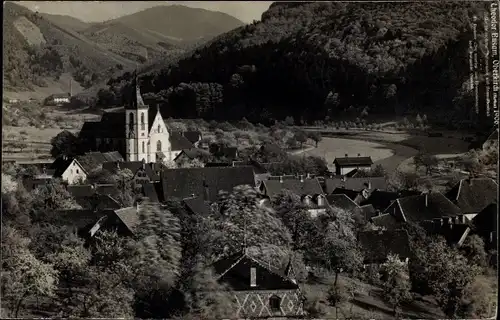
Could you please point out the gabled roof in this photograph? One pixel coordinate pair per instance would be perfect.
(61, 164)
(235, 271)
(300, 187)
(417, 208)
(353, 161)
(129, 217)
(386, 221)
(184, 182)
(149, 191)
(473, 195)
(179, 142)
(78, 218)
(486, 221)
(79, 191)
(133, 166)
(192, 136)
(193, 153)
(351, 194)
(377, 245)
(356, 184)
(341, 201)
(98, 202)
(93, 160)
(382, 199)
(197, 206)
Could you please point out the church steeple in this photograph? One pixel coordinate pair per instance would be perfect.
(135, 101)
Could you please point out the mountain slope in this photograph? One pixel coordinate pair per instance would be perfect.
(36, 49)
(67, 22)
(316, 59)
(181, 24)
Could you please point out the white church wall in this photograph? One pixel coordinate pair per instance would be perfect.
(160, 133)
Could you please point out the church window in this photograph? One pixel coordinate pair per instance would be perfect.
(131, 118)
(142, 121)
(143, 147)
(77, 171)
(253, 277)
(275, 303)
(159, 128)
(158, 146)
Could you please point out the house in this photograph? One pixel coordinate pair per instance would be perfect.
(357, 196)
(386, 221)
(343, 202)
(260, 170)
(356, 184)
(148, 191)
(124, 221)
(473, 195)
(58, 99)
(368, 211)
(377, 245)
(347, 164)
(195, 205)
(94, 160)
(80, 220)
(95, 197)
(380, 200)
(229, 153)
(68, 169)
(492, 141)
(301, 186)
(193, 136)
(205, 182)
(428, 206)
(142, 172)
(485, 225)
(260, 290)
(452, 230)
(135, 131)
(187, 155)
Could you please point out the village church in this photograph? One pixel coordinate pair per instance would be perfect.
(138, 133)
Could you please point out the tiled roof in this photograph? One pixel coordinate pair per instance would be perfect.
(192, 136)
(61, 164)
(486, 221)
(386, 221)
(377, 245)
(258, 168)
(113, 156)
(473, 195)
(353, 161)
(235, 271)
(417, 208)
(179, 142)
(194, 153)
(351, 194)
(382, 199)
(129, 217)
(300, 187)
(149, 191)
(341, 201)
(184, 182)
(98, 202)
(78, 218)
(196, 205)
(133, 166)
(356, 184)
(79, 191)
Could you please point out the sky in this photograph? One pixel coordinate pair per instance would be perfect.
(97, 11)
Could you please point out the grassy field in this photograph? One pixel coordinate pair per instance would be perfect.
(331, 148)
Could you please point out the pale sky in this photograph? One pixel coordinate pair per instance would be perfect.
(96, 11)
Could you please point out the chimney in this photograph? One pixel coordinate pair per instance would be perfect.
(301, 177)
(346, 155)
(281, 179)
(321, 201)
(308, 176)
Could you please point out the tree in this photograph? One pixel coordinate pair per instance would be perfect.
(64, 143)
(23, 275)
(289, 121)
(301, 137)
(316, 137)
(49, 198)
(479, 299)
(403, 181)
(446, 272)
(396, 285)
(429, 162)
(473, 250)
(291, 143)
(419, 120)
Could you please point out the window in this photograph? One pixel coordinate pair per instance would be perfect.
(142, 117)
(131, 118)
(77, 171)
(159, 128)
(143, 147)
(158, 146)
(275, 303)
(253, 277)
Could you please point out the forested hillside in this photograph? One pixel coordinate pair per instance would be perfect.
(36, 49)
(312, 60)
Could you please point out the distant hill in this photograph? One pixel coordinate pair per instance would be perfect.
(36, 49)
(180, 24)
(67, 22)
(317, 59)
